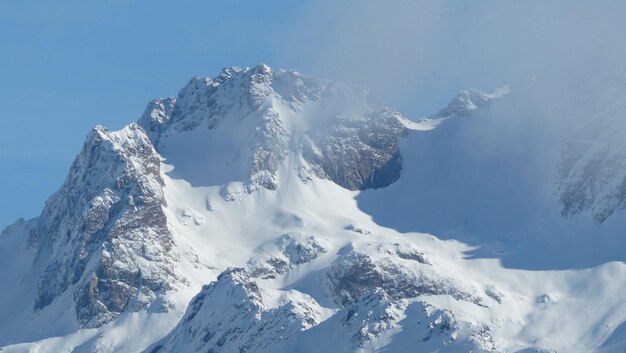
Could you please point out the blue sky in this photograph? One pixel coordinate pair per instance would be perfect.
(66, 66)
(69, 65)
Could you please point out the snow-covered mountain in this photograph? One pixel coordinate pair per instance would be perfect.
(249, 122)
(267, 211)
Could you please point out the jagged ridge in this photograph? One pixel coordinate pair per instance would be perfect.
(284, 112)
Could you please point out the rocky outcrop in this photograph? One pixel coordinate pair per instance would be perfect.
(103, 236)
(157, 116)
(287, 252)
(357, 154)
(466, 102)
(355, 274)
(229, 316)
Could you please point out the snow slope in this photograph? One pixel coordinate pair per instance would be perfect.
(303, 215)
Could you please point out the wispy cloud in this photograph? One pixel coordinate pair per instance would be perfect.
(417, 53)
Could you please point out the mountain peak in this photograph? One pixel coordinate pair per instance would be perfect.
(99, 234)
(262, 69)
(469, 100)
(262, 119)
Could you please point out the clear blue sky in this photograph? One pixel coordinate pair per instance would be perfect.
(66, 66)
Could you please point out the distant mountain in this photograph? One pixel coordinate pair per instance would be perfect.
(267, 211)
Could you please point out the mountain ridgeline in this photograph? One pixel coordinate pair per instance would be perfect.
(265, 210)
(288, 113)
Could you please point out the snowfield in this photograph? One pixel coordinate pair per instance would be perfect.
(266, 211)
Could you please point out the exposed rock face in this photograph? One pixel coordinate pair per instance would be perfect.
(290, 250)
(357, 154)
(229, 316)
(375, 315)
(104, 234)
(468, 101)
(157, 115)
(283, 112)
(355, 274)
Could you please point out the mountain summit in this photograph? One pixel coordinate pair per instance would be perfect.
(248, 122)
